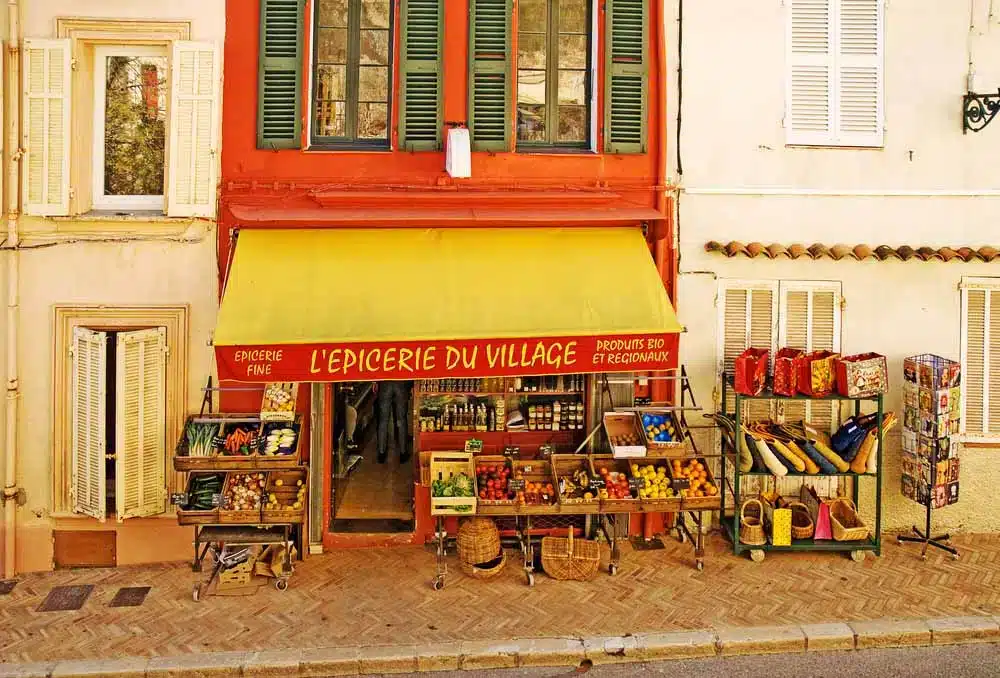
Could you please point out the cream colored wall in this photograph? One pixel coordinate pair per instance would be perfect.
(946, 193)
(207, 17)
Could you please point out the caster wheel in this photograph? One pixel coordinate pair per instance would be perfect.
(954, 556)
(857, 556)
(438, 584)
(923, 556)
(700, 565)
(196, 593)
(612, 569)
(757, 555)
(531, 579)
(680, 537)
(899, 541)
(281, 584)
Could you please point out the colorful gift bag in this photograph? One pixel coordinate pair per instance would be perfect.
(751, 371)
(785, 376)
(862, 375)
(817, 373)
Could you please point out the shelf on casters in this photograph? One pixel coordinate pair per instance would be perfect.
(805, 475)
(497, 394)
(802, 544)
(768, 394)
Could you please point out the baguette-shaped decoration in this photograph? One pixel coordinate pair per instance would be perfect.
(758, 461)
(831, 456)
(824, 465)
(792, 458)
(860, 463)
(771, 461)
(811, 467)
(746, 459)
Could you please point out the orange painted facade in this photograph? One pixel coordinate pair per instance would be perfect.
(390, 188)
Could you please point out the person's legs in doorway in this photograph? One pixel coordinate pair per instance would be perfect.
(383, 406)
(400, 405)
(350, 424)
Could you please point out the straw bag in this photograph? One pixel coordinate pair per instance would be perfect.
(570, 559)
(752, 526)
(845, 521)
(802, 523)
(479, 552)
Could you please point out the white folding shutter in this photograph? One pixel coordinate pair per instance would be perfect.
(980, 358)
(89, 390)
(140, 478)
(859, 92)
(748, 315)
(810, 75)
(810, 321)
(46, 126)
(195, 76)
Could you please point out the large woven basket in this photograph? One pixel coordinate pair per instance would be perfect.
(566, 558)
(752, 523)
(802, 522)
(478, 541)
(845, 521)
(485, 570)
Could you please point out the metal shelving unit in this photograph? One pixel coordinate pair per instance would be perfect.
(731, 476)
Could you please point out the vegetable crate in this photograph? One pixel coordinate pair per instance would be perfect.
(236, 442)
(663, 434)
(536, 497)
(625, 436)
(610, 470)
(200, 509)
(278, 403)
(242, 498)
(576, 482)
(446, 471)
(287, 488)
(490, 470)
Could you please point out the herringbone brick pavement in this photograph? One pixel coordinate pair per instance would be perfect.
(369, 597)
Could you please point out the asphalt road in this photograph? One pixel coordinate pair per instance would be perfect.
(954, 661)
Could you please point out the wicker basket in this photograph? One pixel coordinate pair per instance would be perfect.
(485, 570)
(566, 558)
(802, 522)
(478, 541)
(845, 521)
(752, 526)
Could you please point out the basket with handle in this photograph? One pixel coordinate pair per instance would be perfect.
(569, 558)
(802, 522)
(752, 523)
(845, 521)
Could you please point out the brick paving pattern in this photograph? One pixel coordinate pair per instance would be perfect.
(371, 597)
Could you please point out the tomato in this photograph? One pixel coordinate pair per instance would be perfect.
(490, 483)
(482, 494)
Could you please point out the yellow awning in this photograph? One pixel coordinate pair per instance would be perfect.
(366, 287)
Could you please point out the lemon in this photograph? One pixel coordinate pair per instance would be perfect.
(278, 482)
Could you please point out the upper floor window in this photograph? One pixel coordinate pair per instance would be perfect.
(353, 72)
(130, 113)
(980, 359)
(834, 80)
(553, 73)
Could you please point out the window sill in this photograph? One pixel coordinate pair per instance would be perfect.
(555, 150)
(98, 225)
(319, 147)
(835, 147)
(120, 216)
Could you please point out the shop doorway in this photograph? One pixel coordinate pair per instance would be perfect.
(369, 495)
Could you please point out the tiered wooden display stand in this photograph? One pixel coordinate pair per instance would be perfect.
(219, 523)
(611, 513)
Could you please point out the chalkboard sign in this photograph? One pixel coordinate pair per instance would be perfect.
(512, 451)
(636, 484)
(473, 445)
(515, 485)
(218, 441)
(680, 484)
(597, 484)
(217, 499)
(545, 450)
(179, 498)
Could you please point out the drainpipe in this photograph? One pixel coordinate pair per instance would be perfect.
(13, 496)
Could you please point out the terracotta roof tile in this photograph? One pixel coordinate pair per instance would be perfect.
(861, 252)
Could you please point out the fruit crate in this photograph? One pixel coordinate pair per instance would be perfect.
(693, 503)
(536, 472)
(652, 504)
(656, 423)
(444, 466)
(287, 487)
(187, 516)
(566, 469)
(627, 504)
(251, 515)
(624, 434)
(486, 466)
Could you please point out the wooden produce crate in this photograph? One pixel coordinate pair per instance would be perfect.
(566, 469)
(654, 504)
(488, 506)
(624, 434)
(229, 512)
(689, 502)
(278, 401)
(201, 516)
(651, 424)
(214, 461)
(444, 467)
(613, 466)
(532, 501)
(282, 458)
(287, 487)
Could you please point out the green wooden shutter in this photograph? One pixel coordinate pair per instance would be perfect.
(420, 122)
(279, 65)
(489, 74)
(626, 76)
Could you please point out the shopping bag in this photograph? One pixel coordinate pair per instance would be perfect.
(819, 510)
(751, 371)
(817, 373)
(862, 375)
(785, 375)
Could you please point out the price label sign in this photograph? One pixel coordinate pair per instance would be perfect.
(546, 450)
(179, 498)
(217, 499)
(474, 445)
(597, 484)
(636, 484)
(680, 484)
(512, 451)
(515, 485)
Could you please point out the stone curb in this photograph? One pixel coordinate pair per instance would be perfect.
(530, 652)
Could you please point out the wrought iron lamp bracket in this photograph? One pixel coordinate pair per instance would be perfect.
(978, 110)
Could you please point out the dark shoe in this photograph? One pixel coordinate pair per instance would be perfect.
(382, 458)
(403, 458)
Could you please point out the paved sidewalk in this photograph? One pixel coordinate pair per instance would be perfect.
(382, 597)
